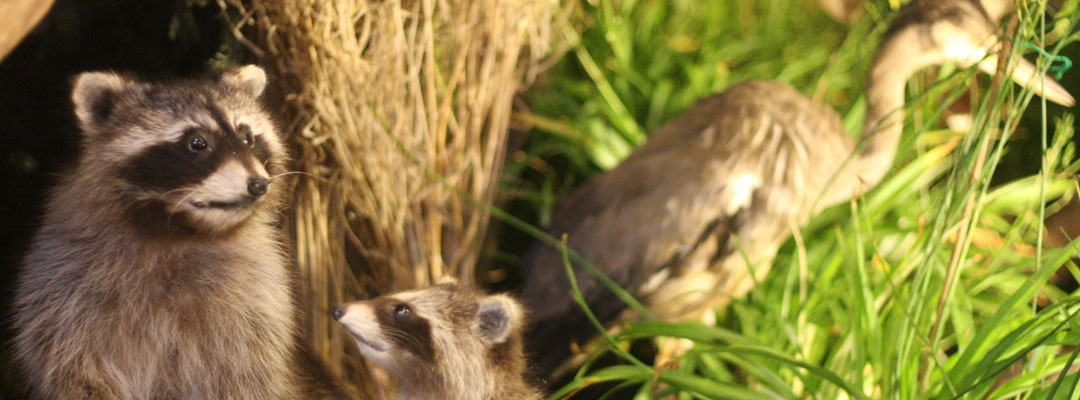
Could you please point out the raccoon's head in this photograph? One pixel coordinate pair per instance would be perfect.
(191, 156)
(445, 329)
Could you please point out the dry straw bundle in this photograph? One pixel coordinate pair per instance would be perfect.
(374, 93)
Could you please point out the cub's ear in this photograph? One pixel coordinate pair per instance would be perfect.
(249, 78)
(497, 317)
(95, 95)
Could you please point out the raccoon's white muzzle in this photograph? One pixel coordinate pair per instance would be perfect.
(360, 322)
(227, 197)
(231, 186)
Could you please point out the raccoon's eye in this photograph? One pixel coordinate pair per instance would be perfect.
(246, 131)
(197, 144)
(402, 311)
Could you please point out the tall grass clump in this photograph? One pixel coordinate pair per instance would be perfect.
(932, 285)
(374, 92)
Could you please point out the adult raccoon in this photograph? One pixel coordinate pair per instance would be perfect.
(158, 271)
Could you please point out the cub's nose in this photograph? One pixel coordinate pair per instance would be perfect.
(337, 311)
(257, 185)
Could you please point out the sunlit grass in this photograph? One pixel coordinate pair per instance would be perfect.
(863, 321)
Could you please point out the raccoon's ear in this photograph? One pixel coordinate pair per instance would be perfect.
(95, 94)
(496, 318)
(249, 78)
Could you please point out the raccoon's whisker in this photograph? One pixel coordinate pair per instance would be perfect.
(191, 192)
(402, 336)
(397, 333)
(174, 191)
(319, 178)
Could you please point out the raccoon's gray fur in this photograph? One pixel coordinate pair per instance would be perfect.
(443, 342)
(158, 272)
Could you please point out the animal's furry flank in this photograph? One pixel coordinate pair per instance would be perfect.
(157, 271)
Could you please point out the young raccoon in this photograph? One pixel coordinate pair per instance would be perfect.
(158, 272)
(443, 342)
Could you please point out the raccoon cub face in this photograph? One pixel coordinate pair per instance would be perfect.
(442, 327)
(194, 156)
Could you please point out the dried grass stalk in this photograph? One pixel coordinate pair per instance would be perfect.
(17, 19)
(362, 80)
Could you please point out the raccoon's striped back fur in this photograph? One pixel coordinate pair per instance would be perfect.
(157, 272)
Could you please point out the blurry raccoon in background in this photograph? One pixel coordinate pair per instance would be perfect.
(446, 342)
(158, 271)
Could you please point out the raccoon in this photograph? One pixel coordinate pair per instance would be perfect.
(447, 341)
(158, 271)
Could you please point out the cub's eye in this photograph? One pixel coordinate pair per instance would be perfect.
(246, 131)
(197, 143)
(402, 311)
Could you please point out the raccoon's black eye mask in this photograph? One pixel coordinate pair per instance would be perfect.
(411, 332)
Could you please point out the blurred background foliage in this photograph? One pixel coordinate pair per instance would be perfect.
(854, 306)
(636, 64)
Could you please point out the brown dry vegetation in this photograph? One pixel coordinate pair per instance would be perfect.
(376, 94)
(20, 17)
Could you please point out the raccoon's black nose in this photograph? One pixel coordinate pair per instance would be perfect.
(257, 185)
(337, 311)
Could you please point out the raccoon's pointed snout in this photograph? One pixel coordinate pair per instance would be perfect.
(337, 311)
(257, 185)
